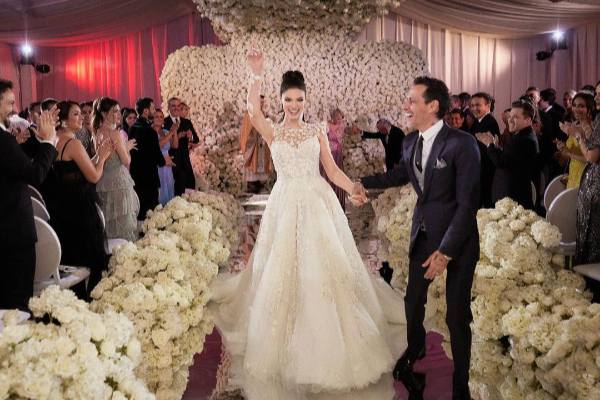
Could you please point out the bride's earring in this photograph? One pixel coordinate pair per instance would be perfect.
(63, 124)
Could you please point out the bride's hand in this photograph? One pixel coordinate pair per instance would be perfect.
(256, 59)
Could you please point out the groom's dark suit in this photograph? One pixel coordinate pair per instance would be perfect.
(444, 219)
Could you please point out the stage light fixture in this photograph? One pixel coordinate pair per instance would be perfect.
(27, 55)
(26, 49)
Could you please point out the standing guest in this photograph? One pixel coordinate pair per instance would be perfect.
(257, 155)
(33, 114)
(481, 104)
(146, 158)
(505, 136)
(568, 103)
(335, 136)
(85, 135)
(455, 102)
(31, 145)
(183, 171)
(128, 119)
(74, 216)
(118, 200)
(391, 138)
(47, 104)
(588, 203)
(583, 105)
(166, 140)
(548, 105)
(17, 227)
(443, 166)
(456, 119)
(465, 104)
(515, 163)
(185, 110)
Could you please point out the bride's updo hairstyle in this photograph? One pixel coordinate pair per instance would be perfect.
(292, 80)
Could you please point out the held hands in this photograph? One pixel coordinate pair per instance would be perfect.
(359, 195)
(48, 122)
(435, 264)
(486, 138)
(256, 59)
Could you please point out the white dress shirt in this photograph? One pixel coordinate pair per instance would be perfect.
(428, 138)
(38, 138)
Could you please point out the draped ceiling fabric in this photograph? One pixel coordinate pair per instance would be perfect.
(503, 67)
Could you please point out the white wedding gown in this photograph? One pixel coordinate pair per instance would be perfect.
(306, 319)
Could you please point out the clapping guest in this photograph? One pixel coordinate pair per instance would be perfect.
(75, 216)
(515, 163)
(166, 140)
(85, 135)
(335, 135)
(582, 105)
(506, 135)
(17, 227)
(146, 157)
(118, 200)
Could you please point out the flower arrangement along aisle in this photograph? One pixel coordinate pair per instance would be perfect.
(79, 354)
(161, 283)
(213, 82)
(535, 333)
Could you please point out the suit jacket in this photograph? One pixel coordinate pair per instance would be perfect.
(546, 144)
(17, 170)
(556, 116)
(48, 186)
(393, 147)
(148, 157)
(181, 155)
(487, 124)
(449, 201)
(515, 166)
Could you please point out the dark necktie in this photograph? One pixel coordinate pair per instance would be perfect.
(419, 154)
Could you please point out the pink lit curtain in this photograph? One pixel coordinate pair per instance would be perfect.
(501, 67)
(125, 68)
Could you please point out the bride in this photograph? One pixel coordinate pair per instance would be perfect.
(305, 320)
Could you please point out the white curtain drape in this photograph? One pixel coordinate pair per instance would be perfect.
(502, 67)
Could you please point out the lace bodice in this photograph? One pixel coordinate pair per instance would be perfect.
(295, 152)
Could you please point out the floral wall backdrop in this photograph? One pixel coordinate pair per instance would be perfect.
(367, 81)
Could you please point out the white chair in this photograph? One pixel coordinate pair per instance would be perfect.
(554, 188)
(563, 214)
(39, 210)
(112, 243)
(590, 270)
(47, 263)
(33, 192)
(533, 193)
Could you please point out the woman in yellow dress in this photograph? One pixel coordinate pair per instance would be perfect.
(583, 105)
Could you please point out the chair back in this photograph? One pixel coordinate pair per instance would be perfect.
(33, 192)
(39, 210)
(533, 194)
(553, 189)
(47, 252)
(101, 215)
(563, 214)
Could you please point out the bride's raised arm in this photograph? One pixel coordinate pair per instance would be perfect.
(256, 60)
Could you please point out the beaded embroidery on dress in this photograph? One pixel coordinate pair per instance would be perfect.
(306, 320)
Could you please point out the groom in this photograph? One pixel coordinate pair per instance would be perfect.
(443, 165)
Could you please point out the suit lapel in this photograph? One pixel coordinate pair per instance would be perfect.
(407, 157)
(436, 149)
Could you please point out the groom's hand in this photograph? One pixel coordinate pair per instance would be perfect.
(436, 264)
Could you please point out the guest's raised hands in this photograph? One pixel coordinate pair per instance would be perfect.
(47, 126)
(106, 147)
(486, 138)
(571, 129)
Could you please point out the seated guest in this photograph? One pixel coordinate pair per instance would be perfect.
(515, 164)
(118, 200)
(391, 137)
(481, 104)
(74, 216)
(85, 135)
(129, 117)
(583, 105)
(568, 103)
(17, 227)
(166, 140)
(146, 158)
(588, 203)
(456, 119)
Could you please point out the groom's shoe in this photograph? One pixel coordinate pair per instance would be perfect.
(404, 373)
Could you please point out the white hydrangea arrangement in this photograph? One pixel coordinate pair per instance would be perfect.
(161, 283)
(368, 81)
(79, 354)
(241, 16)
(535, 333)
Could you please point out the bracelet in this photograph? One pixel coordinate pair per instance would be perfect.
(254, 77)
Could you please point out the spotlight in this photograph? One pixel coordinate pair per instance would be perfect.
(27, 55)
(26, 50)
(559, 41)
(558, 35)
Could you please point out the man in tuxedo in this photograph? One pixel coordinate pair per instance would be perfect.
(183, 173)
(548, 105)
(481, 104)
(17, 226)
(443, 165)
(391, 137)
(146, 159)
(465, 102)
(516, 163)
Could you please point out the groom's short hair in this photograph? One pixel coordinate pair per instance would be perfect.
(435, 89)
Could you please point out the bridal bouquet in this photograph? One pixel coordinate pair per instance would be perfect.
(161, 284)
(79, 354)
